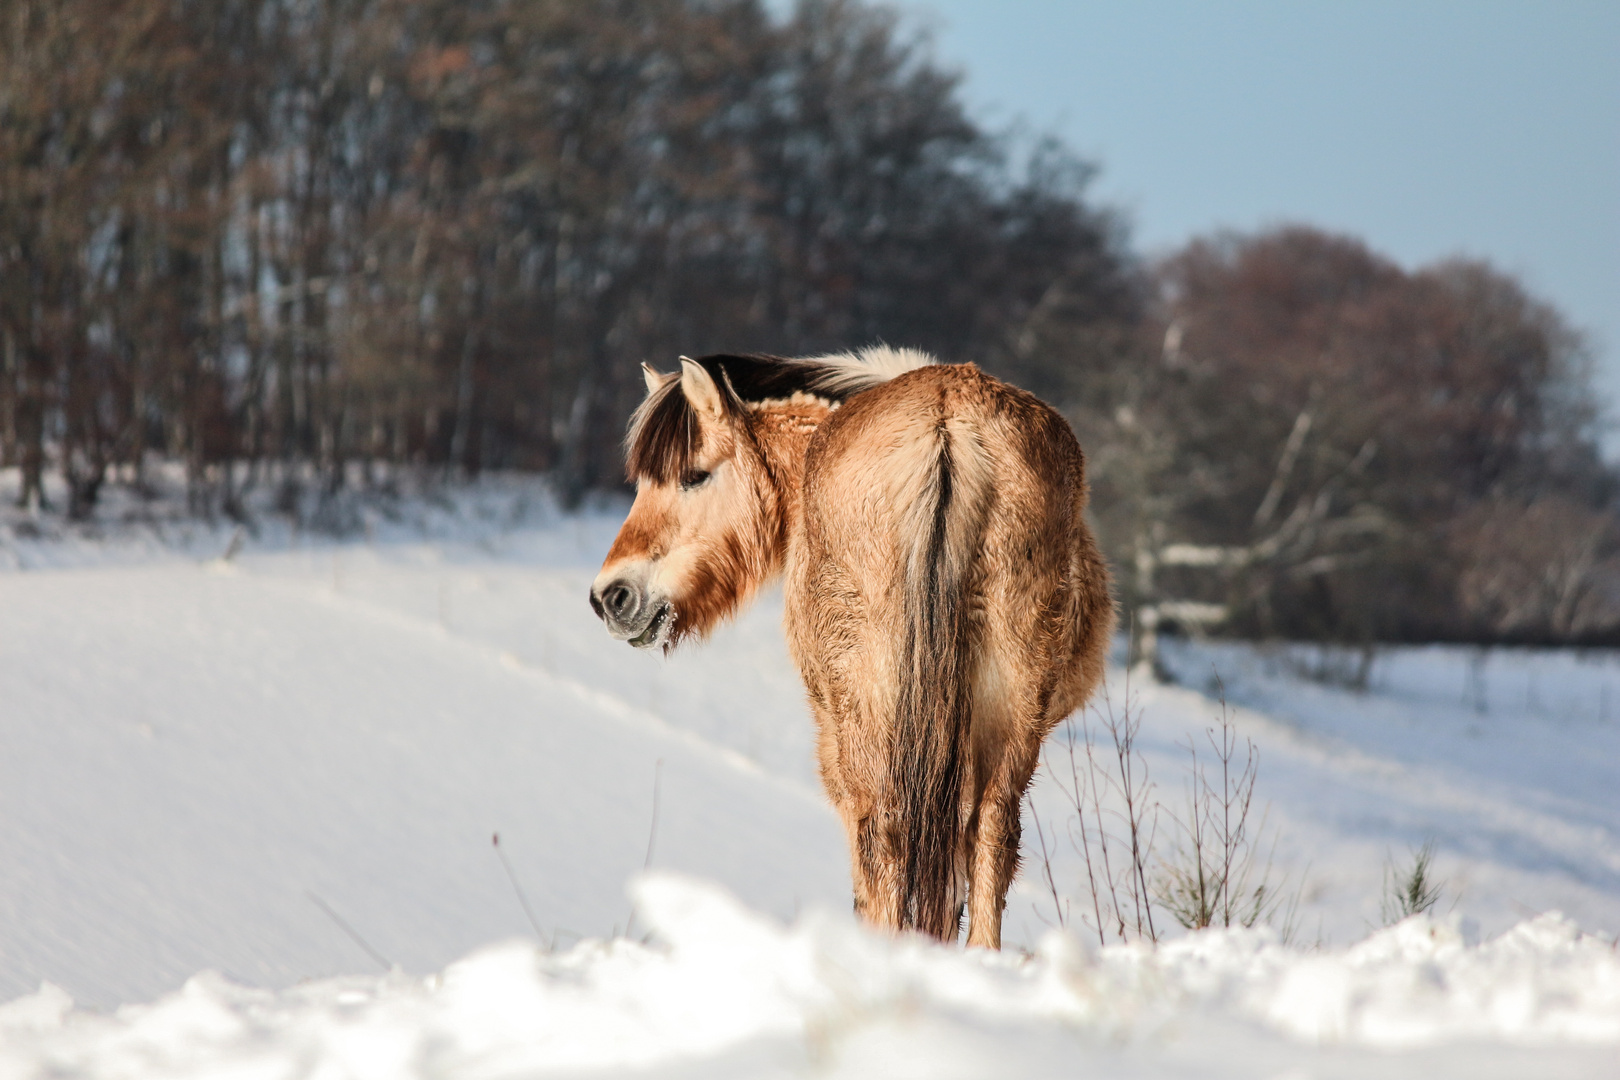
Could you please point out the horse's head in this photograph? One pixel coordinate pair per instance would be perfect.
(704, 530)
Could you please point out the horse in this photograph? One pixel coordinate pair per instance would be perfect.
(945, 601)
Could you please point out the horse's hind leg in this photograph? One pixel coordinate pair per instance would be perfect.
(995, 843)
(853, 784)
(1008, 705)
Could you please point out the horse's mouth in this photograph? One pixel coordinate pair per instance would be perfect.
(654, 634)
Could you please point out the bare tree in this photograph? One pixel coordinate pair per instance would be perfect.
(1546, 571)
(1283, 445)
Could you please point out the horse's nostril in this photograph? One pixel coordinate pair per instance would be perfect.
(620, 600)
(621, 604)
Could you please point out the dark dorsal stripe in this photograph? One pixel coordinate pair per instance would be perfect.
(664, 430)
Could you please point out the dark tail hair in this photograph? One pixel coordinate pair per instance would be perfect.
(928, 759)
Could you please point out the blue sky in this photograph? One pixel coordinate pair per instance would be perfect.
(1427, 127)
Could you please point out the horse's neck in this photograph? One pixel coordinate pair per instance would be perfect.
(784, 431)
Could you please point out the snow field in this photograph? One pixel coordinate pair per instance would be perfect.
(201, 758)
(187, 780)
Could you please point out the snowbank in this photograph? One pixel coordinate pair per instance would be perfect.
(722, 991)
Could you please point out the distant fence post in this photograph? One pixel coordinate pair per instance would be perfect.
(1152, 610)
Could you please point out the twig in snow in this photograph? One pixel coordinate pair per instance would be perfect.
(495, 842)
(652, 834)
(354, 935)
(652, 829)
(233, 548)
(1058, 907)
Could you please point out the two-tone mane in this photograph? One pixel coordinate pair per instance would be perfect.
(659, 443)
(944, 600)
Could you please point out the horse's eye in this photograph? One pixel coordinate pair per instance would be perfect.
(693, 479)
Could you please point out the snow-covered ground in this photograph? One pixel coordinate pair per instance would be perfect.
(260, 794)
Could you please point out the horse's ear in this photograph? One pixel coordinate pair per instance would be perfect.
(700, 390)
(653, 377)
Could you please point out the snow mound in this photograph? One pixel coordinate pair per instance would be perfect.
(1414, 984)
(720, 991)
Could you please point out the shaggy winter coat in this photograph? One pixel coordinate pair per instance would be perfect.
(945, 601)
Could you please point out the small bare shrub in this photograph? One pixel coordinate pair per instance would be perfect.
(1412, 890)
(1114, 823)
(1212, 876)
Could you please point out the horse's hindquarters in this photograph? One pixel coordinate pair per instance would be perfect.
(944, 596)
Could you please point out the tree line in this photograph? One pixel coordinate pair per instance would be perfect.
(269, 236)
(301, 245)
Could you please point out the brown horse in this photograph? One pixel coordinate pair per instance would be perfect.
(946, 604)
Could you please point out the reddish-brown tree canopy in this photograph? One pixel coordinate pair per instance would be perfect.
(1329, 431)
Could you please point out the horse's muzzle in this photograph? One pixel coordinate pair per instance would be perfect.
(630, 613)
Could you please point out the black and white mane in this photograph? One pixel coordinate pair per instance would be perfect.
(659, 443)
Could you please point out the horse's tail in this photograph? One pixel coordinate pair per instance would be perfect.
(929, 758)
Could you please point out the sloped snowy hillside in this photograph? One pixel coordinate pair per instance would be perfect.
(259, 794)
